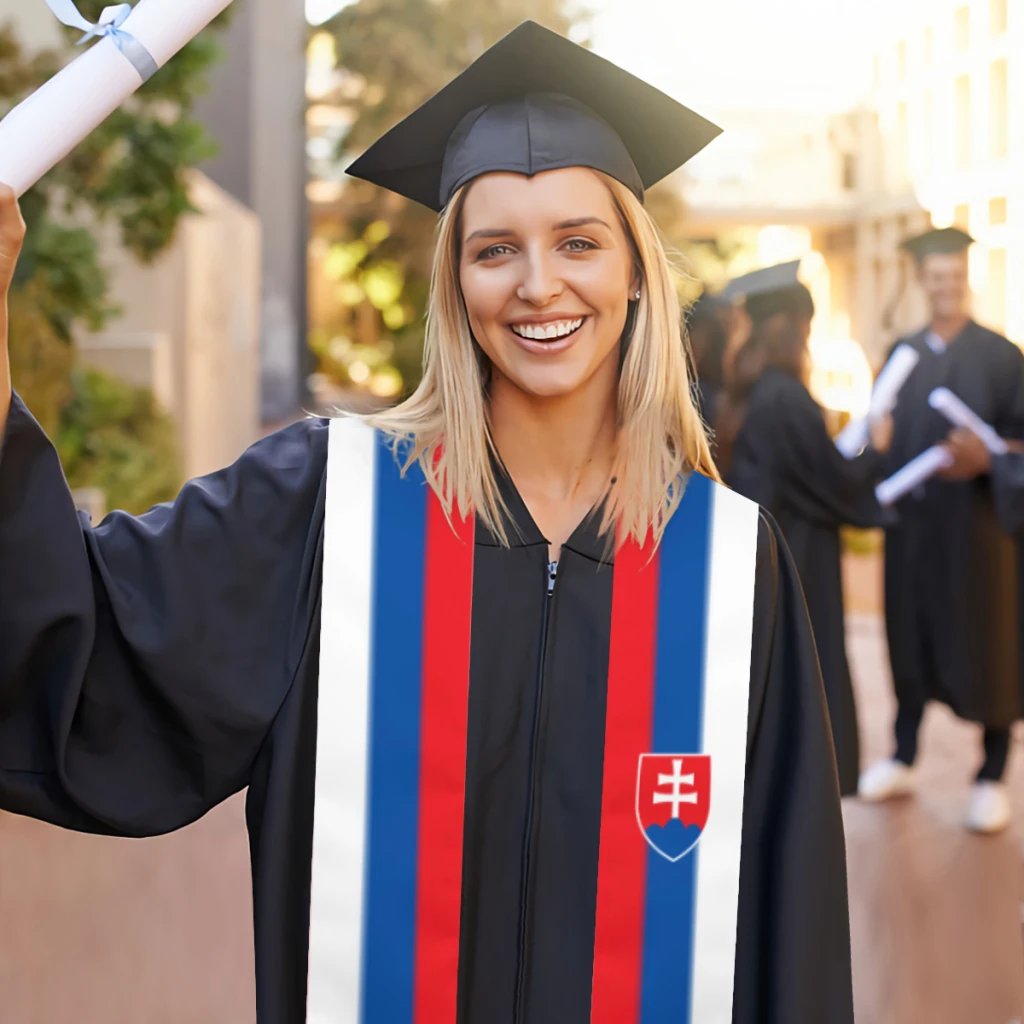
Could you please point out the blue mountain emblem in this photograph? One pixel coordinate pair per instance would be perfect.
(674, 840)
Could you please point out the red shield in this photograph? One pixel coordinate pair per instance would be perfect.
(673, 800)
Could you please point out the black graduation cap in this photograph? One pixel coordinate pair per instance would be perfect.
(937, 241)
(771, 290)
(535, 102)
(705, 307)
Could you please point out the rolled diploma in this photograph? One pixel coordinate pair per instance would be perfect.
(943, 400)
(44, 128)
(912, 475)
(852, 439)
(854, 436)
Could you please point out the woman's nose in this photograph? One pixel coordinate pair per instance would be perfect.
(541, 284)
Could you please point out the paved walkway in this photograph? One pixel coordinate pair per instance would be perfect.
(935, 911)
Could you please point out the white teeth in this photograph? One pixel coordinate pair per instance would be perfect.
(545, 332)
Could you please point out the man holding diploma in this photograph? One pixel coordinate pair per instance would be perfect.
(951, 568)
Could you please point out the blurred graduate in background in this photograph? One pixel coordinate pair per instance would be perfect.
(784, 458)
(951, 567)
(706, 326)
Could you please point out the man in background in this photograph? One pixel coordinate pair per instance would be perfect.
(950, 567)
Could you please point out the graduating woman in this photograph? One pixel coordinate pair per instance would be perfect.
(785, 460)
(490, 664)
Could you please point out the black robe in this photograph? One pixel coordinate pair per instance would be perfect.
(785, 460)
(950, 567)
(151, 667)
(706, 395)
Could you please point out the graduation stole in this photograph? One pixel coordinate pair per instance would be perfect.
(390, 782)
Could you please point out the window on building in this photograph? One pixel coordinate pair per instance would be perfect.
(962, 29)
(997, 288)
(997, 210)
(962, 216)
(962, 128)
(902, 132)
(901, 60)
(929, 45)
(927, 131)
(849, 171)
(997, 17)
(997, 110)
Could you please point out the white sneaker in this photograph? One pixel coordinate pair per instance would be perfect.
(989, 807)
(885, 780)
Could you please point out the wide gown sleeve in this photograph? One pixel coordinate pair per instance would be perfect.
(797, 466)
(142, 661)
(1007, 476)
(793, 943)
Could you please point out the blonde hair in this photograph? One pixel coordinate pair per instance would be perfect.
(661, 437)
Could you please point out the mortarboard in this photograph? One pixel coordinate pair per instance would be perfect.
(705, 307)
(762, 281)
(534, 102)
(935, 242)
(771, 290)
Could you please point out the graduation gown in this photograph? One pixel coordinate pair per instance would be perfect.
(440, 741)
(785, 460)
(706, 395)
(950, 566)
(1008, 491)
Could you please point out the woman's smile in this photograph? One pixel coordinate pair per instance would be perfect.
(549, 335)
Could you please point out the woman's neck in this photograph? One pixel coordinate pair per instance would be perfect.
(558, 451)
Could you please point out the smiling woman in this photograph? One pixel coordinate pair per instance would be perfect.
(527, 704)
(557, 320)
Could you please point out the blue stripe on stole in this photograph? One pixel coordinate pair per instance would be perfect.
(670, 898)
(394, 745)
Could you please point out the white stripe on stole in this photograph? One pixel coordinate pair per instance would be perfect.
(730, 613)
(339, 815)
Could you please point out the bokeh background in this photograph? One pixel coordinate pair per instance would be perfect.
(199, 272)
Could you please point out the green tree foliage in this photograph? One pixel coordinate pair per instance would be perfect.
(130, 171)
(114, 436)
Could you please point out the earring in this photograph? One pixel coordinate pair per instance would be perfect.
(637, 295)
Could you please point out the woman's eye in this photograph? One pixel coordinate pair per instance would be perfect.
(579, 245)
(493, 251)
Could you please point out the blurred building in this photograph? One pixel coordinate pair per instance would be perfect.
(940, 140)
(189, 327)
(255, 110)
(951, 117)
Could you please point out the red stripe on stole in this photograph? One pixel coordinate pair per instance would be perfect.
(448, 598)
(621, 869)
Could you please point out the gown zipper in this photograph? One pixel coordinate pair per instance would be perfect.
(552, 575)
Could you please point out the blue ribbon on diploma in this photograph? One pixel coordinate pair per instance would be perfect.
(111, 20)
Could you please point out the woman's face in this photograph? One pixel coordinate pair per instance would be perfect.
(547, 273)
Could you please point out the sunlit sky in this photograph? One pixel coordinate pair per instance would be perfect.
(728, 54)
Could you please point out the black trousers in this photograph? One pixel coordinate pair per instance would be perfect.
(997, 743)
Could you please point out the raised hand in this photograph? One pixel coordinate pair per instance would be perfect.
(12, 233)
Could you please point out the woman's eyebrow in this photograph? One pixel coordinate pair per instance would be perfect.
(490, 233)
(581, 222)
(576, 222)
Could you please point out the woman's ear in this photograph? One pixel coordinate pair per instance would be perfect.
(634, 283)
